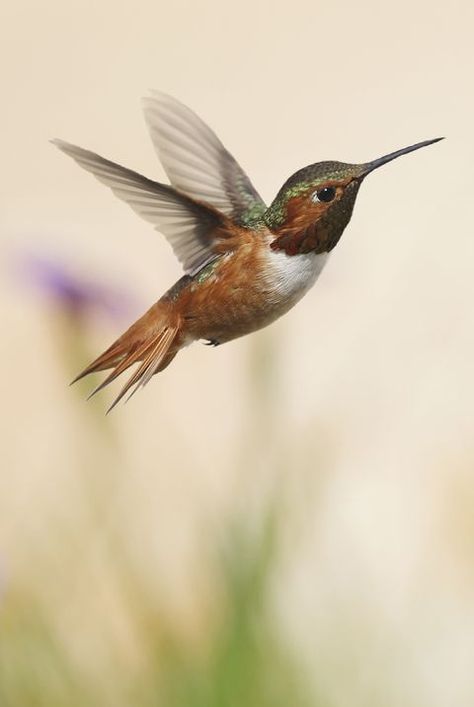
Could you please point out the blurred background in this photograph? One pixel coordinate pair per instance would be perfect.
(288, 519)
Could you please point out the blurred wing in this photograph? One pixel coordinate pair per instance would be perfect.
(196, 161)
(189, 227)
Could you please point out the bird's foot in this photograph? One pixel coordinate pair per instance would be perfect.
(212, 342)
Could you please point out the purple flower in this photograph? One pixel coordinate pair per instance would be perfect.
(75, 294)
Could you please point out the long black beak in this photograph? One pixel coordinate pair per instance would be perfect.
(370, 166)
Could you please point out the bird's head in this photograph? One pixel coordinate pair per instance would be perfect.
(315, 204)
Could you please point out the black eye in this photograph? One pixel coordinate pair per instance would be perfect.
(326, 194)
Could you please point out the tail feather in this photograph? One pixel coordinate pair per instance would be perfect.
(154, 350)
(123, 363)
(110, 358)
(157, 353)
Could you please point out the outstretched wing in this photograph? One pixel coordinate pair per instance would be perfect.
(189, 226)
(196, 161)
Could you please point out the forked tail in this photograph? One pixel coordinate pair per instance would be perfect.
(153, 346)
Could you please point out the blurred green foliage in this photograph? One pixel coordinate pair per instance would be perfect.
(240, 657)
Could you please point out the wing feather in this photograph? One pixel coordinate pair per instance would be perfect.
(196, 161)
(189, 226)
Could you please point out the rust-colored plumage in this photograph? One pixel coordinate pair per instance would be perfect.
(245, 264)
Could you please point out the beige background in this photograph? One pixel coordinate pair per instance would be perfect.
(370, 384)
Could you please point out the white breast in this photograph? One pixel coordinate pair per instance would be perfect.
(291, 276)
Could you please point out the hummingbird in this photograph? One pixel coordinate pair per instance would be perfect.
(245, 264)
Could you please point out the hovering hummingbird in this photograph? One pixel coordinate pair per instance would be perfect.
(245, 264)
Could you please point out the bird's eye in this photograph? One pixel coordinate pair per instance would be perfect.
(325, 194)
